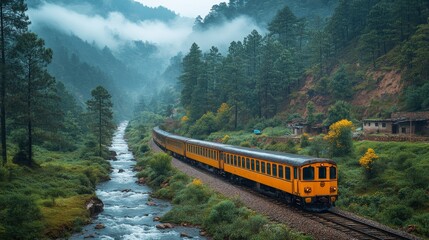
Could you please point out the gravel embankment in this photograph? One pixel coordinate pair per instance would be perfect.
(261, 205)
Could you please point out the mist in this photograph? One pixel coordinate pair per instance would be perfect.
(115, 30)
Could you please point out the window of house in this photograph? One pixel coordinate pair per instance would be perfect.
(403, 130)
(383, 125)
(376, 124)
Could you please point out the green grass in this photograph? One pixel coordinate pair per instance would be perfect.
(195, 203)
(55, 191)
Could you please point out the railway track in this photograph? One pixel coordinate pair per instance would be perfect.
(354, 227)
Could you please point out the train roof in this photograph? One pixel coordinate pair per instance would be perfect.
(279, 157)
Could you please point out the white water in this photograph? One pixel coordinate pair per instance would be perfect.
(126, 214)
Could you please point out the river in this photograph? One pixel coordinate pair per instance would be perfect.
(126, 213)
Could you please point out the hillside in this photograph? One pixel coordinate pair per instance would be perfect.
(369, 65)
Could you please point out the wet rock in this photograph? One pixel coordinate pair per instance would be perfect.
(184, 235)
(126, 190)
(150, 203)
(164, 225)
(203, 233)
(113, 155)
(99, 226)
(156, 219)
(411, 228)
(141, 181)
(121, 170)
(89, 236)
(94, 206)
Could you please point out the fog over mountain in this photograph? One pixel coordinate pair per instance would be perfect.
(115, 30)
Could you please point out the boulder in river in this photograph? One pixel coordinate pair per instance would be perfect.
(164, 225)
(113, 155)
(156, 219)
(94, 206)
(141, 181)
(121, 170)
(184, 235)
(126, 190)
(99, 226)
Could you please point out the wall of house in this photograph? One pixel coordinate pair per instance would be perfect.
(377, 127)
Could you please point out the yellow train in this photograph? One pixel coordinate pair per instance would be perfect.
(307, 181)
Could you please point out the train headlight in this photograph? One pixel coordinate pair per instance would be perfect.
(333, 189)
(307, 189)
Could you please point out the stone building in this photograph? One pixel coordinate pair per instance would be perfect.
(401, 123)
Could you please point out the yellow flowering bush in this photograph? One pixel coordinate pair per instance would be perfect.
(184, 119)
(368, 159)
(340, 137)
(197, 182)
(225, 138)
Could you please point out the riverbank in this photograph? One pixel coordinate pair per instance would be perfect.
(52, 196)
(195, 204)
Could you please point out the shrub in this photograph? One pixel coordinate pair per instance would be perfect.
(340, 137)
(223, 212)
(397, 214)
(305, 142)
(20, 216)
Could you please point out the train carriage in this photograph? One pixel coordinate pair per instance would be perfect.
(308, 181)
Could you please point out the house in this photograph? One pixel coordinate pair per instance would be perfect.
(401, 123)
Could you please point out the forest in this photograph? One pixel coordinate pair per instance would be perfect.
(315, 62)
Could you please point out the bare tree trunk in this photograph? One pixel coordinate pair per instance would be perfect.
(3, 90)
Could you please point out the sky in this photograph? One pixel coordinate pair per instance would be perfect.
(186, 8)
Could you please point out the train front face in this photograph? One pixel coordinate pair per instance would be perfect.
(318, 186)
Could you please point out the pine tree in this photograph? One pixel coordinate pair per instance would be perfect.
(35, 88)
(101, 116)
(13, 22)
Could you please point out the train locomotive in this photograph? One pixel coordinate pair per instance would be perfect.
(302, 180)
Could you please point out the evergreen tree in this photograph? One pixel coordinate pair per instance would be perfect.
(340, 110)
(192, 69)
(101, 116)
(13, 22)
(36, 92)
(285, 27)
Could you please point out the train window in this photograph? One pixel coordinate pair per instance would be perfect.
(257, 165)
(308, 173)
(333, 173)
(322, 172)
(274, 170)
(247, 163)
(280, 171)
(263, 167)
(239, 161)
(229, 159)
(295, 173)
(268, 168)
(235, 160)
(243, 162)
(287, 173)
(253, 164)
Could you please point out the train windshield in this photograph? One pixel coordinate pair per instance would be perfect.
(333, 172)
(308, 173)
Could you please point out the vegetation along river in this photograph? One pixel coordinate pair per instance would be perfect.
(127, 214)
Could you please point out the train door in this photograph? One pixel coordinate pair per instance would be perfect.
(219, 157)
(295, 181)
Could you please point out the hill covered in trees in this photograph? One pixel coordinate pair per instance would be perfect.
(368, 59)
